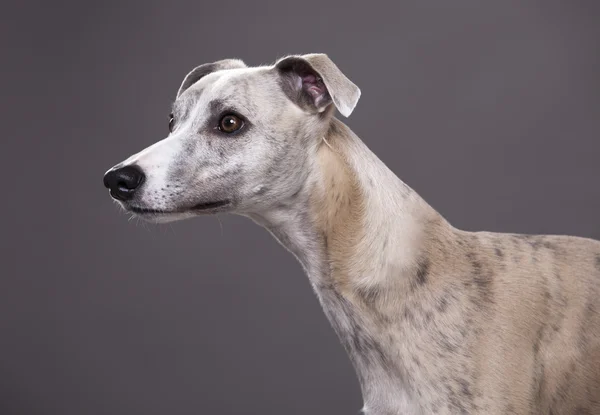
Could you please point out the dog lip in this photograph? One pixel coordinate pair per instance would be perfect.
(199, 206)
(136, 209)
(210, 205)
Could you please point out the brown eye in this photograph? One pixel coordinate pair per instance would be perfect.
(171, 122)
(230, 123)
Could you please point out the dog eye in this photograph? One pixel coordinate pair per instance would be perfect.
(230, 123)
(171, 122)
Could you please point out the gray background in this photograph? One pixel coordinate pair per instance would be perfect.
(490, 110)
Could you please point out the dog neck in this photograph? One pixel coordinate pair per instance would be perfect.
(364, 239)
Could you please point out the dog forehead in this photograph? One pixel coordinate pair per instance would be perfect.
(242, 86)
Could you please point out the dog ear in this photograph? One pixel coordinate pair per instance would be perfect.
(313, 82)
(198, 72)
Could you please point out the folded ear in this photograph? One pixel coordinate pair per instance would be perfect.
(198, 72)
(313, 82)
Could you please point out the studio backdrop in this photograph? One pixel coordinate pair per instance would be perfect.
(489, 110)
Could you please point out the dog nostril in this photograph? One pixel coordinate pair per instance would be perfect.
(127, 185)
(124, 182)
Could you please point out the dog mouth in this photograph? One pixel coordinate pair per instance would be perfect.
(200, 207)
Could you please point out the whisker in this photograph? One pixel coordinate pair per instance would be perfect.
(220, 224)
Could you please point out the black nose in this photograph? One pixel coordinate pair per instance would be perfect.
(123, 182)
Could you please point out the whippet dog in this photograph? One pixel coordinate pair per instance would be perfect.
(436, 320)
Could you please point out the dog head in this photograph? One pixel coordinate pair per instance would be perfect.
(239, 140)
